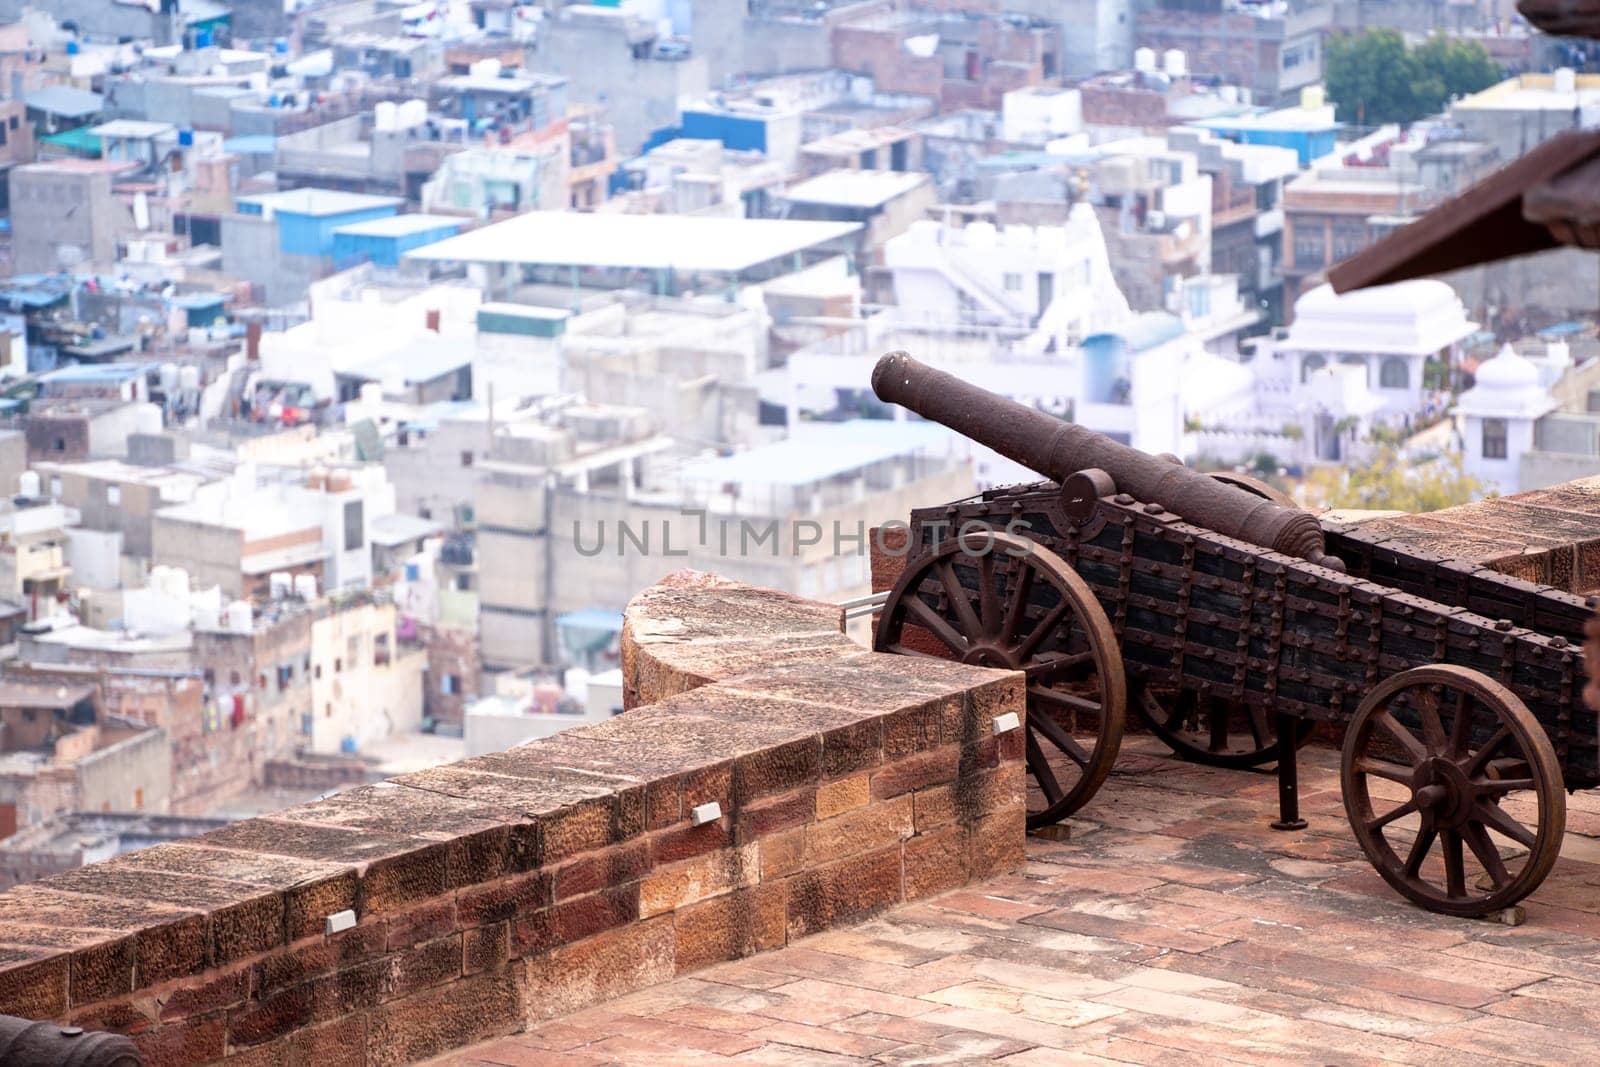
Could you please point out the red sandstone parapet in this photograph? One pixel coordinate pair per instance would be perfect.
(693, 628)
(524, 884)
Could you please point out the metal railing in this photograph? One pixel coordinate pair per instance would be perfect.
(862, 606)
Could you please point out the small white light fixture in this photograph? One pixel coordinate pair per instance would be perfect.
(339, 920)
(1004, 724)
(701, 814)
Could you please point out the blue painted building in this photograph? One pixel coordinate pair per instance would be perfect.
(1312, 132)
(383, 241)
(307, 218)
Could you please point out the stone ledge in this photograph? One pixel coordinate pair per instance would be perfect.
(523, 884)
(694, 628)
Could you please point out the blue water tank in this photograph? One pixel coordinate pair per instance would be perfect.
(202, 38)
(281, 46)
(1102, 361)
(72, 48)
(347, 745)
(185, 138)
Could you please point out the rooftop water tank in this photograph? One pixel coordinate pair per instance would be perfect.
(29, 485)
(239, 617)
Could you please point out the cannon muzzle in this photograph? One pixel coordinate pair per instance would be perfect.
(1059, 449)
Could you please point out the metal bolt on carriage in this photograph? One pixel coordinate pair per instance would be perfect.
(1233, 622)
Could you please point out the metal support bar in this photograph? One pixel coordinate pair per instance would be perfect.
(1288, 774)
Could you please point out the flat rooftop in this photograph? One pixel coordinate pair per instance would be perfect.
(401, 225)
(660, 242)
(320, 201)
(821, 452)
(855, 188)
(132, 128)
(1167, 925)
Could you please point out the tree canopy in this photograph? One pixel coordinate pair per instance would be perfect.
(1390, 481)
(1375, 79)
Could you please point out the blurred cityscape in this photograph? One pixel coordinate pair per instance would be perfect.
(360, 359)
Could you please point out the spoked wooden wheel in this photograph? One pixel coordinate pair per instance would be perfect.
(1205, 728)
(997, 600)
(1453, 790)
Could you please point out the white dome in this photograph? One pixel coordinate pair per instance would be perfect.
(1506, 387)
(1507, 371)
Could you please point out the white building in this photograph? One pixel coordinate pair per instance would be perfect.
(1499, 417)
(1391, 331)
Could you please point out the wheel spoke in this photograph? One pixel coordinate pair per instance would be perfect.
(1461, 725)
(1398, 813)
(1432, 726)
(1052, 732)
(1392, 772)
(958, 597)
(937, 624)
(1419, 851)
(1069, 701)
(1017, 609)
(988, 595)
(1488, 855)
(1039, 767)
(1045, 627)
(1406, 738)
(1259, 732)
(1040, 670)
(1475, 762)
(1455, 870)
(1495, 818)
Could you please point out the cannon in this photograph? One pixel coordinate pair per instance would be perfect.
(1234, 622)
(26, 1043)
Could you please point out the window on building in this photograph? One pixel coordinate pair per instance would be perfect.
(464, 582)
(338, 665)
(1394, 374)
(1349, 237)
(1310, 365)
(466, 459)
(449, 684)
(1494, 438)
(113, 495)
(316, 672)
(1012, 282)
(355, 534)
(233, 677)
(138, 799)
(1310, 248)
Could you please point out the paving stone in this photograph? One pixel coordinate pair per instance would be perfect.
(1171, 928)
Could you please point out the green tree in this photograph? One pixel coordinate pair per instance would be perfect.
(1461, 67)
(1375, 79)
(1391, 482)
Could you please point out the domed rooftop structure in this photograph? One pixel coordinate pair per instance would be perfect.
(1506, 386)
(1414, 318)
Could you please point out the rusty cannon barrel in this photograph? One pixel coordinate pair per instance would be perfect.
(1059, 449)
(25, 1043)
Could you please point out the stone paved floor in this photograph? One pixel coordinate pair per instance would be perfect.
(1173, 927)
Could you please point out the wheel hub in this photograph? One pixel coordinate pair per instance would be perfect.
(991, 656)
(1442, 789)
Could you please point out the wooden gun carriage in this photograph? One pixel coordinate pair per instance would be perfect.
(1233, 622)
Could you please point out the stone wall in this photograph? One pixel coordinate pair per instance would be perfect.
(772, 780)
